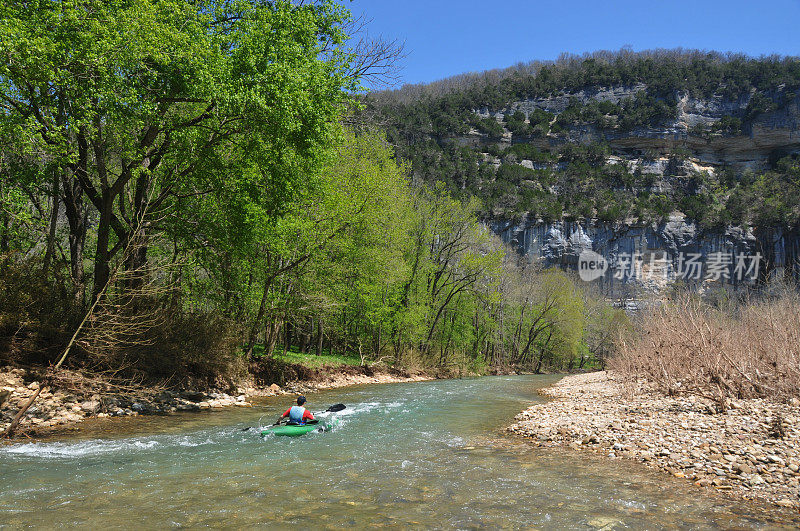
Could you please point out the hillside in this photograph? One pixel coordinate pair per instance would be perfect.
(611, 137)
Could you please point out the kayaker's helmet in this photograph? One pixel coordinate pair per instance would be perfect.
(301, 400)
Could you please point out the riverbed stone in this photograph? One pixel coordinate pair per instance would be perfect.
(603, 522)
(684, 436)
(90, 406)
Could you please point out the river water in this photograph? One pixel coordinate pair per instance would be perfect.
(426, 454)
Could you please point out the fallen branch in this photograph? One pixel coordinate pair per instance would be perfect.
(47, 381)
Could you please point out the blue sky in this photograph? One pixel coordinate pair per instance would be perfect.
(444, 38)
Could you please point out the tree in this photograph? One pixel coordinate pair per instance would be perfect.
(143, 102)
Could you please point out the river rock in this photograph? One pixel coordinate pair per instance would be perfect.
(143, 408)
(194, 396)
(777, 460)
(603, 522)
(90, 406)
(730, 451)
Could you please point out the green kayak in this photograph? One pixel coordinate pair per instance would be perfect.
(296, 430)
(291, 430)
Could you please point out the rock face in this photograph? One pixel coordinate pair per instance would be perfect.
(768, 134)
(763, 139)
(662, 250)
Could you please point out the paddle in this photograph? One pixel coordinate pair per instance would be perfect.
(333, 409)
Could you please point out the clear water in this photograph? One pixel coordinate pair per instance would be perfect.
(427, 454)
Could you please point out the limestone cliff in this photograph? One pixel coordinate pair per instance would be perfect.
(762, 138)
(662, 153)
(561, 243)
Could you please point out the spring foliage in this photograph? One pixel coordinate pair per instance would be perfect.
(184, 164)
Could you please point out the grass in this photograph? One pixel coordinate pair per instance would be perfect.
(311, 360)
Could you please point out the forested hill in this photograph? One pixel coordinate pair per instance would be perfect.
(611, 137)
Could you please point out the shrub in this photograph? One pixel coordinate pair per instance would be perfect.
(749, 349)
(490, 127)
(144, 338)
(35, 316)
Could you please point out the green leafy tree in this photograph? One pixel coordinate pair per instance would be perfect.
(143, 102)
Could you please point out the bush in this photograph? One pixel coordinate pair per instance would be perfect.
(749, 349)
(490, 127)
(197, 349)
(143, 338)
(35, 316)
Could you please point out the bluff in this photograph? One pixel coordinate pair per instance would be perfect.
(669, 152)
(660, 252)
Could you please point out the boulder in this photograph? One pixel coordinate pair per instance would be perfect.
(194, 396)
(91, 406)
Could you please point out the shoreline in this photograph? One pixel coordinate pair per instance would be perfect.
(739, 452)
(57, 410)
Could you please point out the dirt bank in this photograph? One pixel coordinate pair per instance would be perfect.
(752, 450)
(74, 397)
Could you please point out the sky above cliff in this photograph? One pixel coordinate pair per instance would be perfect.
(444, 38)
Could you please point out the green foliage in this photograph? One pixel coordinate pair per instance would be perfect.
(171, 99)
(490, 127)
(759, 104)
(314, 361)
(516, 124)
(530, 152)
(515, 174)
(540, 122)
(578, 182)
(646, 109)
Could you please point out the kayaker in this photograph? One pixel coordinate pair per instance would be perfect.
(298, 414)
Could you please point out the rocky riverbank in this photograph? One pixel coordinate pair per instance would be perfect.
(75, 399)
(752, 450)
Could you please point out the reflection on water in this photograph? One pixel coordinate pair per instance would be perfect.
(428, 454)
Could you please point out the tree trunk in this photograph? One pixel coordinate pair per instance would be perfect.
(51, 235)
(287, 326)
(262, 308)
(76, 219)
(306, 332)
(271, 337)
(102, 268)
(4, 239)
(54, 195)
(320, 336)
(136, 260)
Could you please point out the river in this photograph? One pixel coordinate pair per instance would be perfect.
(425, 454)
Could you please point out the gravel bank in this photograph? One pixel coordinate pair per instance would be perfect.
(56, 408)
(752, 450)
(59, 407)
